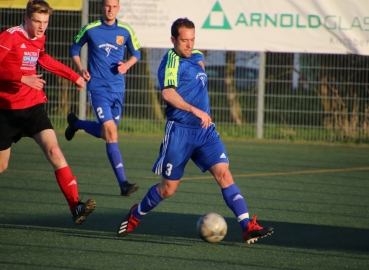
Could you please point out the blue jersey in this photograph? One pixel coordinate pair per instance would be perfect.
(106, 46)
(187, 76)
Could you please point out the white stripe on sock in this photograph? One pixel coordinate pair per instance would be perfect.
(242, 217)
(139, 210)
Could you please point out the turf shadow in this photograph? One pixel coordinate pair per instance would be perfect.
(286, 234)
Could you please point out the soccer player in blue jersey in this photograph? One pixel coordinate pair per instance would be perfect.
(189, 134)
(107, 39)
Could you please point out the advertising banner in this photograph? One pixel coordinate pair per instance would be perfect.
(308, 26)
(55, 4)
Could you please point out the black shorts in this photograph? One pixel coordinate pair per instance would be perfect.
(15, 124)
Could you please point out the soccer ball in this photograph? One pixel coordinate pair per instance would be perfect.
(212, 227)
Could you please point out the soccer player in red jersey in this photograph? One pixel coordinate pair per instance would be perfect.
(22, 111)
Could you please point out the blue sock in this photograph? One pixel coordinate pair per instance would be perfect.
(234, 200)
(92, 128)
(116, 162)
(149, 202)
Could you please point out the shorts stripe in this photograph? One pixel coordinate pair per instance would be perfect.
(159, 165)
(93, 108)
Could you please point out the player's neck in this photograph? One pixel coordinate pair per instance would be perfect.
(29, 34)
(109, 22)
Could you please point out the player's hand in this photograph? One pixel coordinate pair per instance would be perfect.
(122, 67)
(85, 74)
(34, 81)
(80, 83)
(204, 117)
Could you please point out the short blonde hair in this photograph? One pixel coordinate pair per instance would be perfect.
(38, 6)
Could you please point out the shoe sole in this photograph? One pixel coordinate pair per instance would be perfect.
(90, 206)
(252, 240)
(132, 190)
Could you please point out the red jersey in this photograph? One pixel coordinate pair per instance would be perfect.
(19, 56)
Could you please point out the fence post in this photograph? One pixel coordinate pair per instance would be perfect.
(82, 92)
(261, 92)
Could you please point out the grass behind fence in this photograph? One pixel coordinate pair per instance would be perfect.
(284, 133)
(315, 196)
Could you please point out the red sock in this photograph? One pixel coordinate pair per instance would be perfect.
(68, 185)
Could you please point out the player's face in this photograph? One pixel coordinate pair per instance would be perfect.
(110, 10)
(184, 43)
(36, 25)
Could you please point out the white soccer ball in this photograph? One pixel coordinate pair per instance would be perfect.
(212, 227)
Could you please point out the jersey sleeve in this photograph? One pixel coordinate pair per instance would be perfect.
(79, 40)
(168, 72)
(6, 44)
(133, 45)
(56, 67)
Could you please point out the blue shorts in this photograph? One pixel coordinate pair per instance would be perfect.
(182, 143)
(106, 105)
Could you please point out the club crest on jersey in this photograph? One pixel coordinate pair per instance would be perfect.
(201, 64)
(120, 40)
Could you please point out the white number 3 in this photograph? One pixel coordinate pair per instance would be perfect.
(169, 169)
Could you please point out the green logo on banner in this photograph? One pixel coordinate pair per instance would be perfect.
(216, 19)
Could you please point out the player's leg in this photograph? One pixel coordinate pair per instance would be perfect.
(74, 124)
(4, 159)
(109, 117)
(157, 193)
(93, 128)
(234, 199)
(10, 131)
(39, 127)
(115, 158)
(47, 140)
(173, 157)
(153, 197)
(212, 156)
(231, 193)
(107, 108)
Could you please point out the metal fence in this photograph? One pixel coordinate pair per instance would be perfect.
(282, 96)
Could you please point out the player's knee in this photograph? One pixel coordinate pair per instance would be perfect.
(111, 136)
(110, 132)
(55, 153)
(224, 178)
(166, 192)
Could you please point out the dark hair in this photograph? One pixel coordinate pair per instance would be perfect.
(38, 6)
(181, 22)
(103, 2)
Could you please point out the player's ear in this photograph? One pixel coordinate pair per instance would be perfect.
(172, 39)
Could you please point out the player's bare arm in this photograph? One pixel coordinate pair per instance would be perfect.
(124, 66)
(34, 81)
(171, 96)
(83, 72)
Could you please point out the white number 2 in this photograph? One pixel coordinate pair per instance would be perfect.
(169, 169)
(100, 113)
